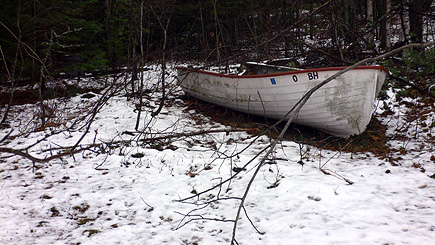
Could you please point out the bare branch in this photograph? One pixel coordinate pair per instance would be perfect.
(25, 154)
(6, 136)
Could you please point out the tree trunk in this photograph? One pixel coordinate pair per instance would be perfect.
(388, 25)
(203, 41)
(416, 10)
(139, 109)
(404, 37)
(216, 19)
(370, 20)
(383, 29)
(132, 18)
(165, 27)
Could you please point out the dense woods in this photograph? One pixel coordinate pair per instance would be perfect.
(45, 38)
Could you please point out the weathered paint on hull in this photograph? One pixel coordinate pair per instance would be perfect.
(343, 107)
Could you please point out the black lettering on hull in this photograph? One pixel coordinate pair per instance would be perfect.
(313, 75)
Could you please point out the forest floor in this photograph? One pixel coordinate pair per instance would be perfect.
(377, 188)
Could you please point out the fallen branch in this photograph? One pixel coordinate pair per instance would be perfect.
(201, 132)
(70, 150)
(330, 172)
(25, 154)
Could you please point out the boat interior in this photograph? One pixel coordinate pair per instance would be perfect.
(254, 68)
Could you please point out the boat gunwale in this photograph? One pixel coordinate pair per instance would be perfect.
(369, 67)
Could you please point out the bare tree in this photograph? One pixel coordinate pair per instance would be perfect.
(370, 20)
(163, 16)
(141, 64)
(383, 7)
(11, 77)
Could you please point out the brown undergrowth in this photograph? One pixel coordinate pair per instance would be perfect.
(372, 140)
(26, 95)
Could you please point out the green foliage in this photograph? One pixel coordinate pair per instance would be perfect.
(422, 63)
(50, 30)
(414, 63)
(415, 66)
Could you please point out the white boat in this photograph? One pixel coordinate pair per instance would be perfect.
(342, 107)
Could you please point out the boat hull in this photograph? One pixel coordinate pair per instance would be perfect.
(342, 107)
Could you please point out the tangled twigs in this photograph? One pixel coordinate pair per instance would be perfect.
(191, 216)
(71, 150)
(226, 180)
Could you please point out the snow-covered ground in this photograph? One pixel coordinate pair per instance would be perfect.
(122, 197)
